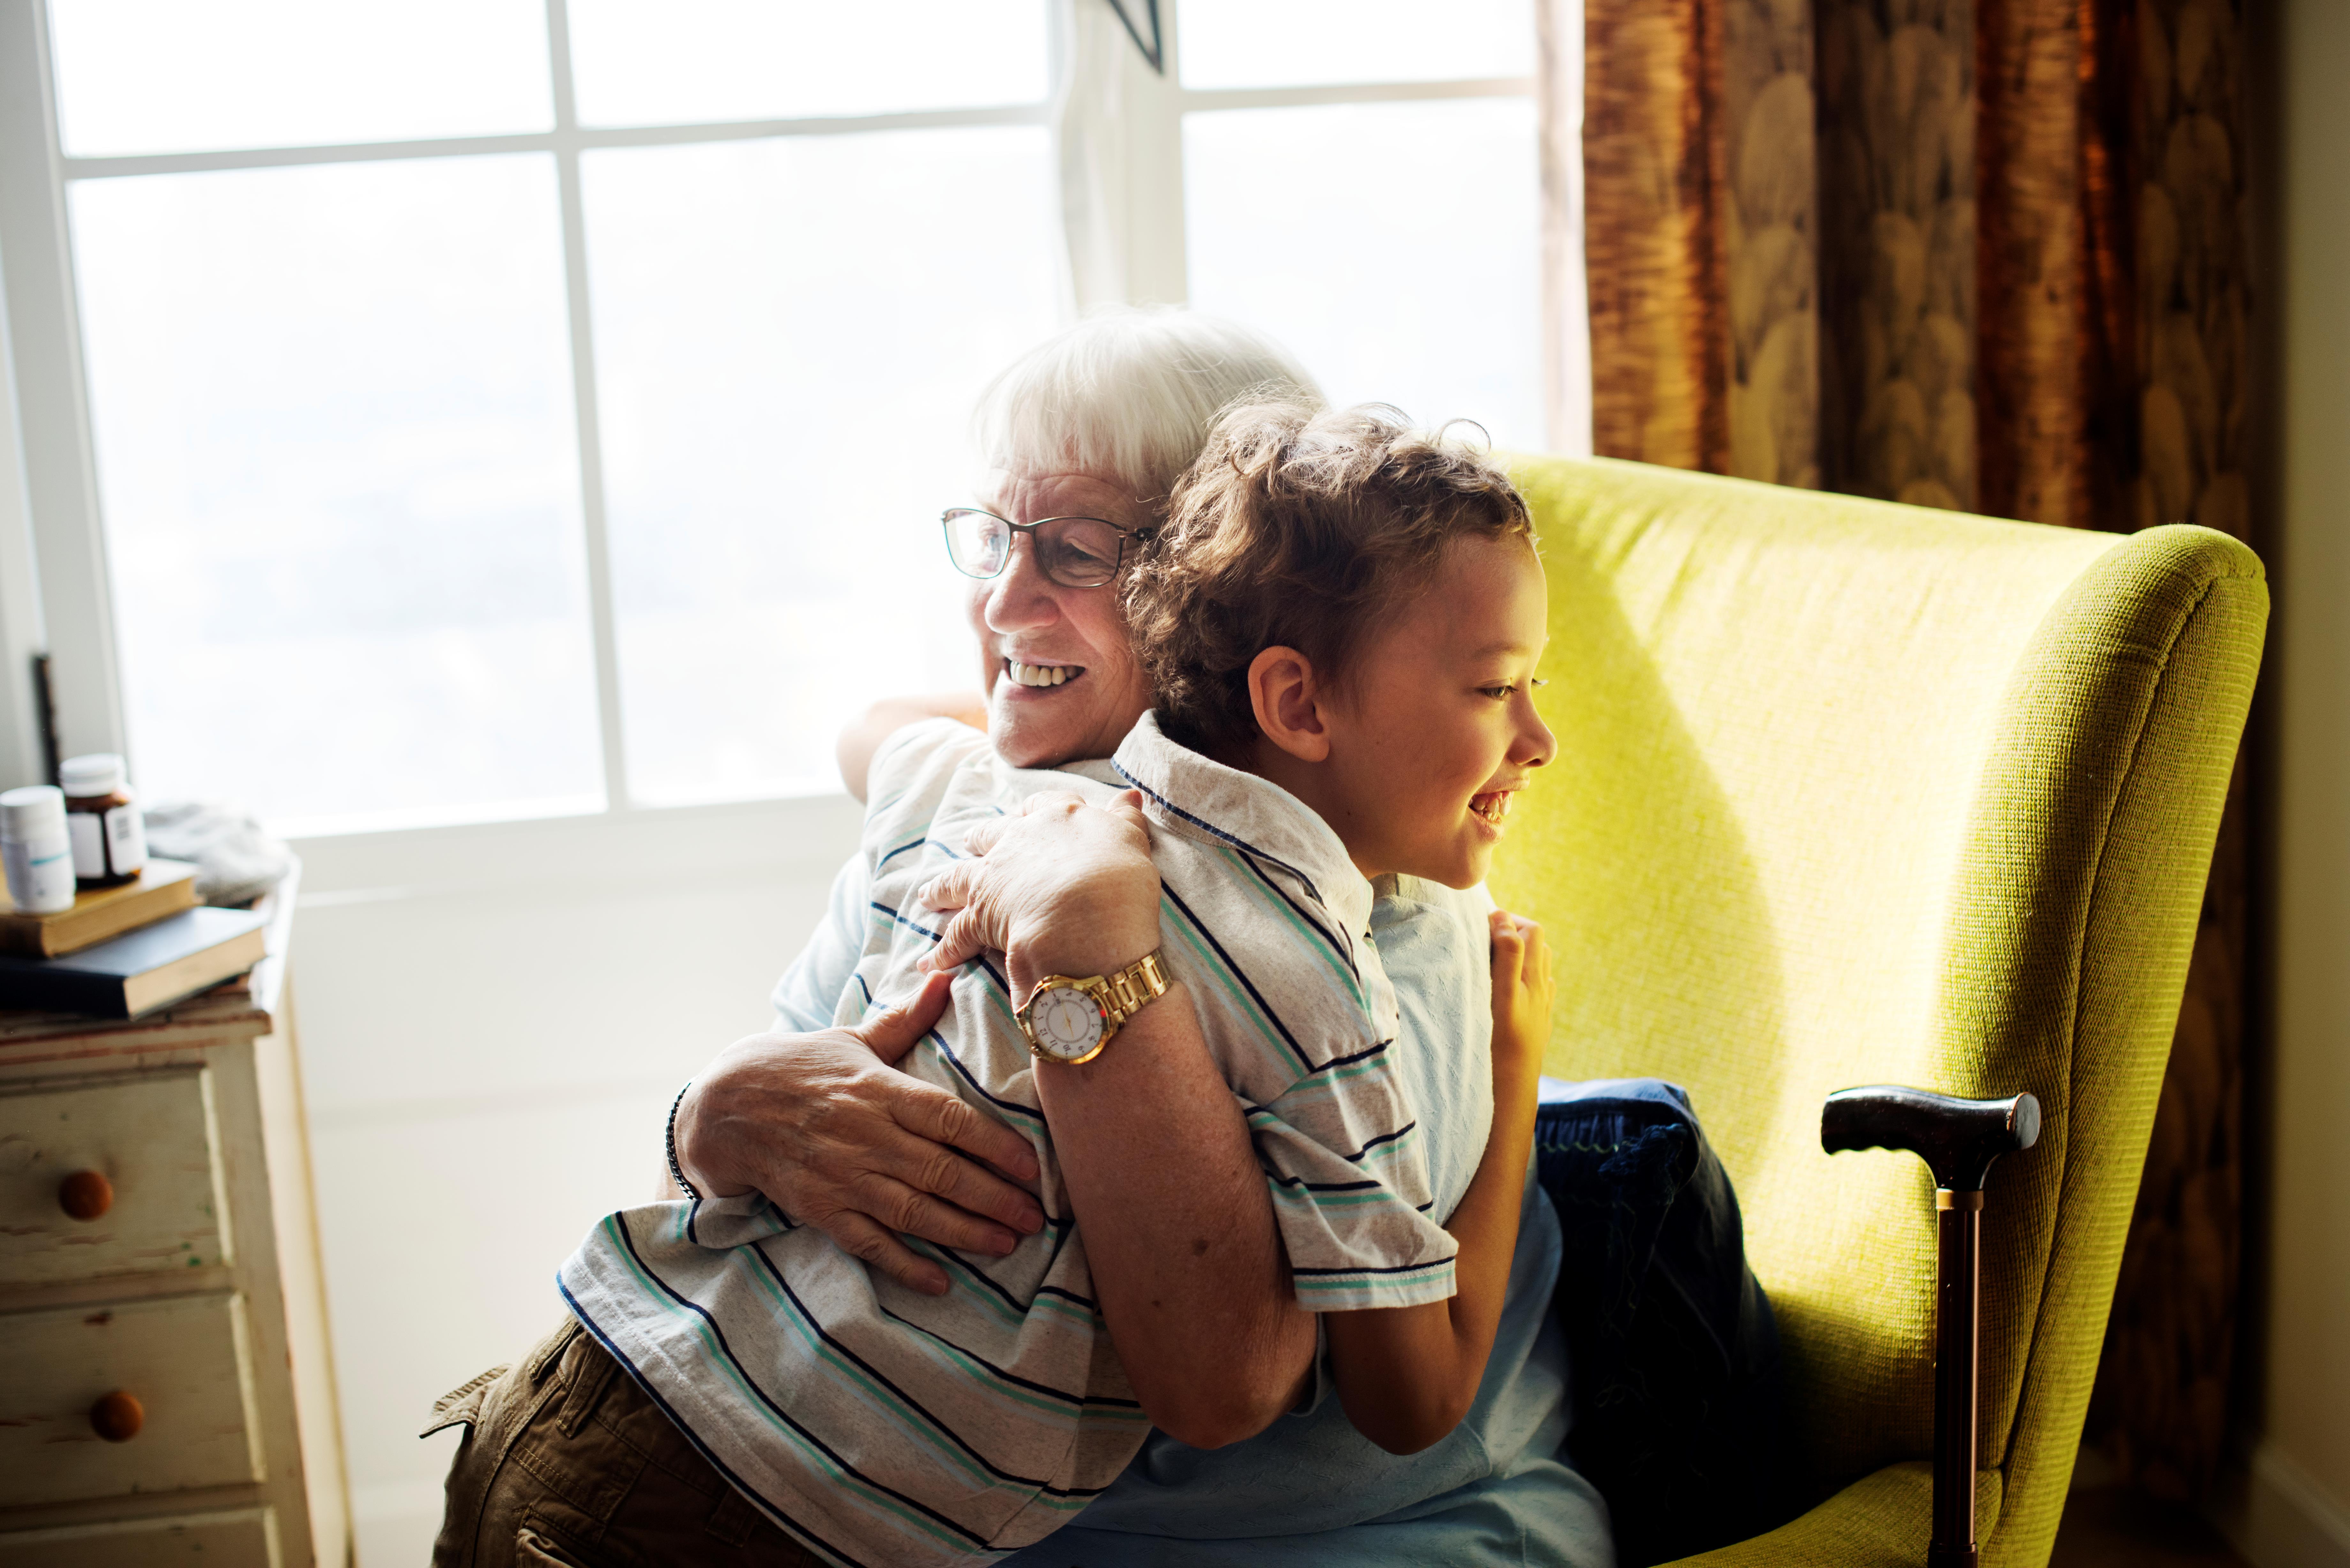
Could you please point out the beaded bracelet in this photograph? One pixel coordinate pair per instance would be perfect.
(668, 1138)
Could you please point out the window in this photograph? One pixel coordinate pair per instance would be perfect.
(497, 408)
(534, 443)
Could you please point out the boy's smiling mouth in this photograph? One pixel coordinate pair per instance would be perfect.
(1042, 674)
(1493, 806)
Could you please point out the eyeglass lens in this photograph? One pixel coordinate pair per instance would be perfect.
(1074, 552)
(977, 542)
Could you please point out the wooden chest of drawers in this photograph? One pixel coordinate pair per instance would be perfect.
(165, 1390)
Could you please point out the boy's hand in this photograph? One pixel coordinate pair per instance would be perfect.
(1522, 995)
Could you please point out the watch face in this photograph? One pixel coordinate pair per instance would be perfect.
(1066, 1023)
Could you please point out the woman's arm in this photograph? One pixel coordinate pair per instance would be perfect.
(863, 736)
(836, 1137)
(819, 1121)
(815, 1118)
(1187, 1263)
(1406, 1376)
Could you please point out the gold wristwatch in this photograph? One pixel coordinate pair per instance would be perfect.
(1069, 1018)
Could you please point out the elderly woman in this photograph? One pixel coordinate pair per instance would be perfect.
(1250, 1460)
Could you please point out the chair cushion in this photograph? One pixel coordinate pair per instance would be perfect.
(1879, 1522)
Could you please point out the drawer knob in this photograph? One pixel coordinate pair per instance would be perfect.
(86, 1195)
(117, 1416)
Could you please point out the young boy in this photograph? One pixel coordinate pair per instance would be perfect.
(1342, 620)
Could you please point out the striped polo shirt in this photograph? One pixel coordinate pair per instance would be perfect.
(882, 1426)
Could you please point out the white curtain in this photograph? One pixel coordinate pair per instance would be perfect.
(1089, 133)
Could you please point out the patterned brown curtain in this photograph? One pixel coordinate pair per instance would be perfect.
(1990, 254)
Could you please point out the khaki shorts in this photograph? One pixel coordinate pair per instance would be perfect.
(567, 1461)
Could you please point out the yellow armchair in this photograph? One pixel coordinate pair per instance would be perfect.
(1853, 793)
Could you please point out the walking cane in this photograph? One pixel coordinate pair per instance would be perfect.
(1958, 1140)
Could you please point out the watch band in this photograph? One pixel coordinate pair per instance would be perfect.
(1125, 993)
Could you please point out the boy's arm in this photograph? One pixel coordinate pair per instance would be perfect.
(1187, 1262)
(863, 735)
(1406, 1376)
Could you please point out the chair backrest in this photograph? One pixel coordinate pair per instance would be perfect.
(1850, 793)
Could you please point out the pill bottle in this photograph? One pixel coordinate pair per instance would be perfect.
(39, 854)
(109, 837)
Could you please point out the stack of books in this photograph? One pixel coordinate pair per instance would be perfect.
(123, 951)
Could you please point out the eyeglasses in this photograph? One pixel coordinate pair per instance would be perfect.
(1074, 552)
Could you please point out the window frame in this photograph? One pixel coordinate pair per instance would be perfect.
(61, 524)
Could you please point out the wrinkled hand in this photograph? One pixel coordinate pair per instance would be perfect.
(1063, 887)
(836, 1137)
(1523, 992)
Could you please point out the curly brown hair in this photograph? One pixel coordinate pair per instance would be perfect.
(1297, 528)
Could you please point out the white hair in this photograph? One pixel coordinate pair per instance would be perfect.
(1127, 395)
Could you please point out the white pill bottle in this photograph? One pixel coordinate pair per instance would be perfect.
(38, 852)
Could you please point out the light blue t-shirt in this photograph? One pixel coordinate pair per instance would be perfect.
(1309, 1491)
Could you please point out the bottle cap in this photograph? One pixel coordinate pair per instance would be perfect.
(32, 812)
(100, 773)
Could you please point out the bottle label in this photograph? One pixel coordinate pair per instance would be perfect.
(126, 840)
(88, 836)
(40, 876)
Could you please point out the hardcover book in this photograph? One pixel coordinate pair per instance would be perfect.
(137, 972)
(164, 887)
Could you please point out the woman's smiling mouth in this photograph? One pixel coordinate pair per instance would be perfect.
(1042, 674)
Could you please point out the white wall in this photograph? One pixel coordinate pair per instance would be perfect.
(493, 1019)
(2298, 1513)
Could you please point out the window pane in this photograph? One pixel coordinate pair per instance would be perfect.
(789, 334)
(1302, 43)
(170, 75)
(335, 447)
(1403, 272)
(705, 60)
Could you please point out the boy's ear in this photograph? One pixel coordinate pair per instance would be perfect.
(1288, 703)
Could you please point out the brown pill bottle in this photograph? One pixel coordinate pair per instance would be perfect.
(102, 819)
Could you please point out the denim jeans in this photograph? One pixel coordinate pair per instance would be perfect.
(1679, 1418)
